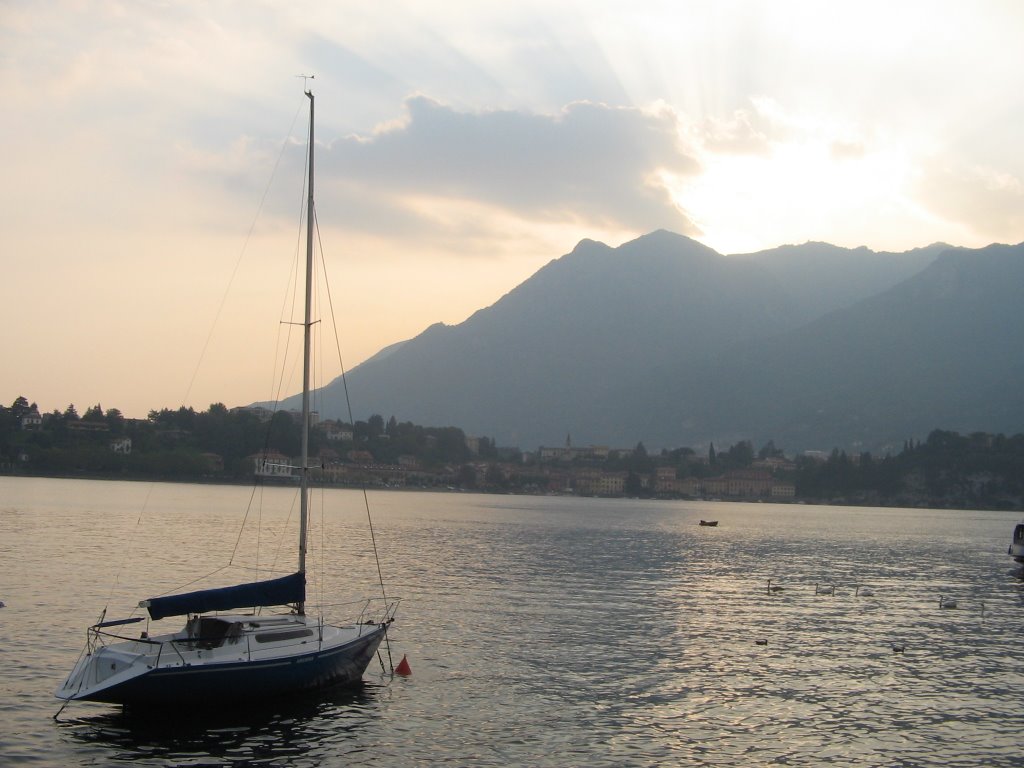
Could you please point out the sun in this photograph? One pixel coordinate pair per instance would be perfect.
(849, 193)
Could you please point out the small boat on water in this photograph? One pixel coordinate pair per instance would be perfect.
(709, 523)
(1016, 550)
(231, 651)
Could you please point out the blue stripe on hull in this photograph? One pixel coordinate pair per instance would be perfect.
(247, 682)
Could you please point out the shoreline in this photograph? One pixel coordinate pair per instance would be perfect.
(801, 501)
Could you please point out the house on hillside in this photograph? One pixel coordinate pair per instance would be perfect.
(569, 452)
(32, 420)
(338, 433)
(783, 491)
(596, 482)
(271, 464)
(121, 445)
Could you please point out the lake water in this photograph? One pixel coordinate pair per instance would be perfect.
(545, 631)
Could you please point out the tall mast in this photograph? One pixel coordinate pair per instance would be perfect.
(307, 328)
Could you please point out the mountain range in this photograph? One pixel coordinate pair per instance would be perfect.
(664, 341)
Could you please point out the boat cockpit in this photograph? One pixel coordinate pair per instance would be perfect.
(210, 632)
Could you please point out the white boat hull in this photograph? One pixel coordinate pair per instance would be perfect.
(1016, 550)
(244, 670)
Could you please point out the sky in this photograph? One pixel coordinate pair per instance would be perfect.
(150, 199)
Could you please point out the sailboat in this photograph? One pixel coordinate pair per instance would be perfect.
(229, 649)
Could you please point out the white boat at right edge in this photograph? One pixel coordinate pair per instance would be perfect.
(1016, 550)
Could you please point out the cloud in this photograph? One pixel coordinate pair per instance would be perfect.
(847, 150)
(988, 201)
(745, 133)
(589, 162)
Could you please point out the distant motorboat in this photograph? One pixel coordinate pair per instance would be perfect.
(1016, 550)
(709, 523)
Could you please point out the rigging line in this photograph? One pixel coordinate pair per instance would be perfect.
(275, 395)
(276, 388)
(238, 261)
(316, 494)
(259, 533)
(254, 569)
(128, 548)
(293, 289)
(323, 549)
(318, 402)
(241, 529)
(282, 328)
(348, 405)
(194, 581)
(277, 345)
(284, 529)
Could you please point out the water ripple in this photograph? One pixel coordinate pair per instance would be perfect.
(554, 632)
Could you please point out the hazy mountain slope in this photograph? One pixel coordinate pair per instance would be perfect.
(666, 341)
(544, 358)
(822, 277)
(941, 349)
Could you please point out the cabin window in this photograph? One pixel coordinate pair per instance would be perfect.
(292, 634)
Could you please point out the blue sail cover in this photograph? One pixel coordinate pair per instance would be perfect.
(287, 589)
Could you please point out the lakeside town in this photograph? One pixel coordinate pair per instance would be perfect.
(248, 443)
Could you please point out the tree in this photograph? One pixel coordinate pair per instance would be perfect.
(467, 476)
(639, 461)
(94, 413)
(488, 450)
(494, 477)
(741, 454)
(70, 414)
(115, 420)
(285, 434)
(8, 426)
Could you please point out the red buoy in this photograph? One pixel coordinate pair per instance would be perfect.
(403, 667)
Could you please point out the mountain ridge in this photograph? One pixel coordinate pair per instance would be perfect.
(666, 341)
